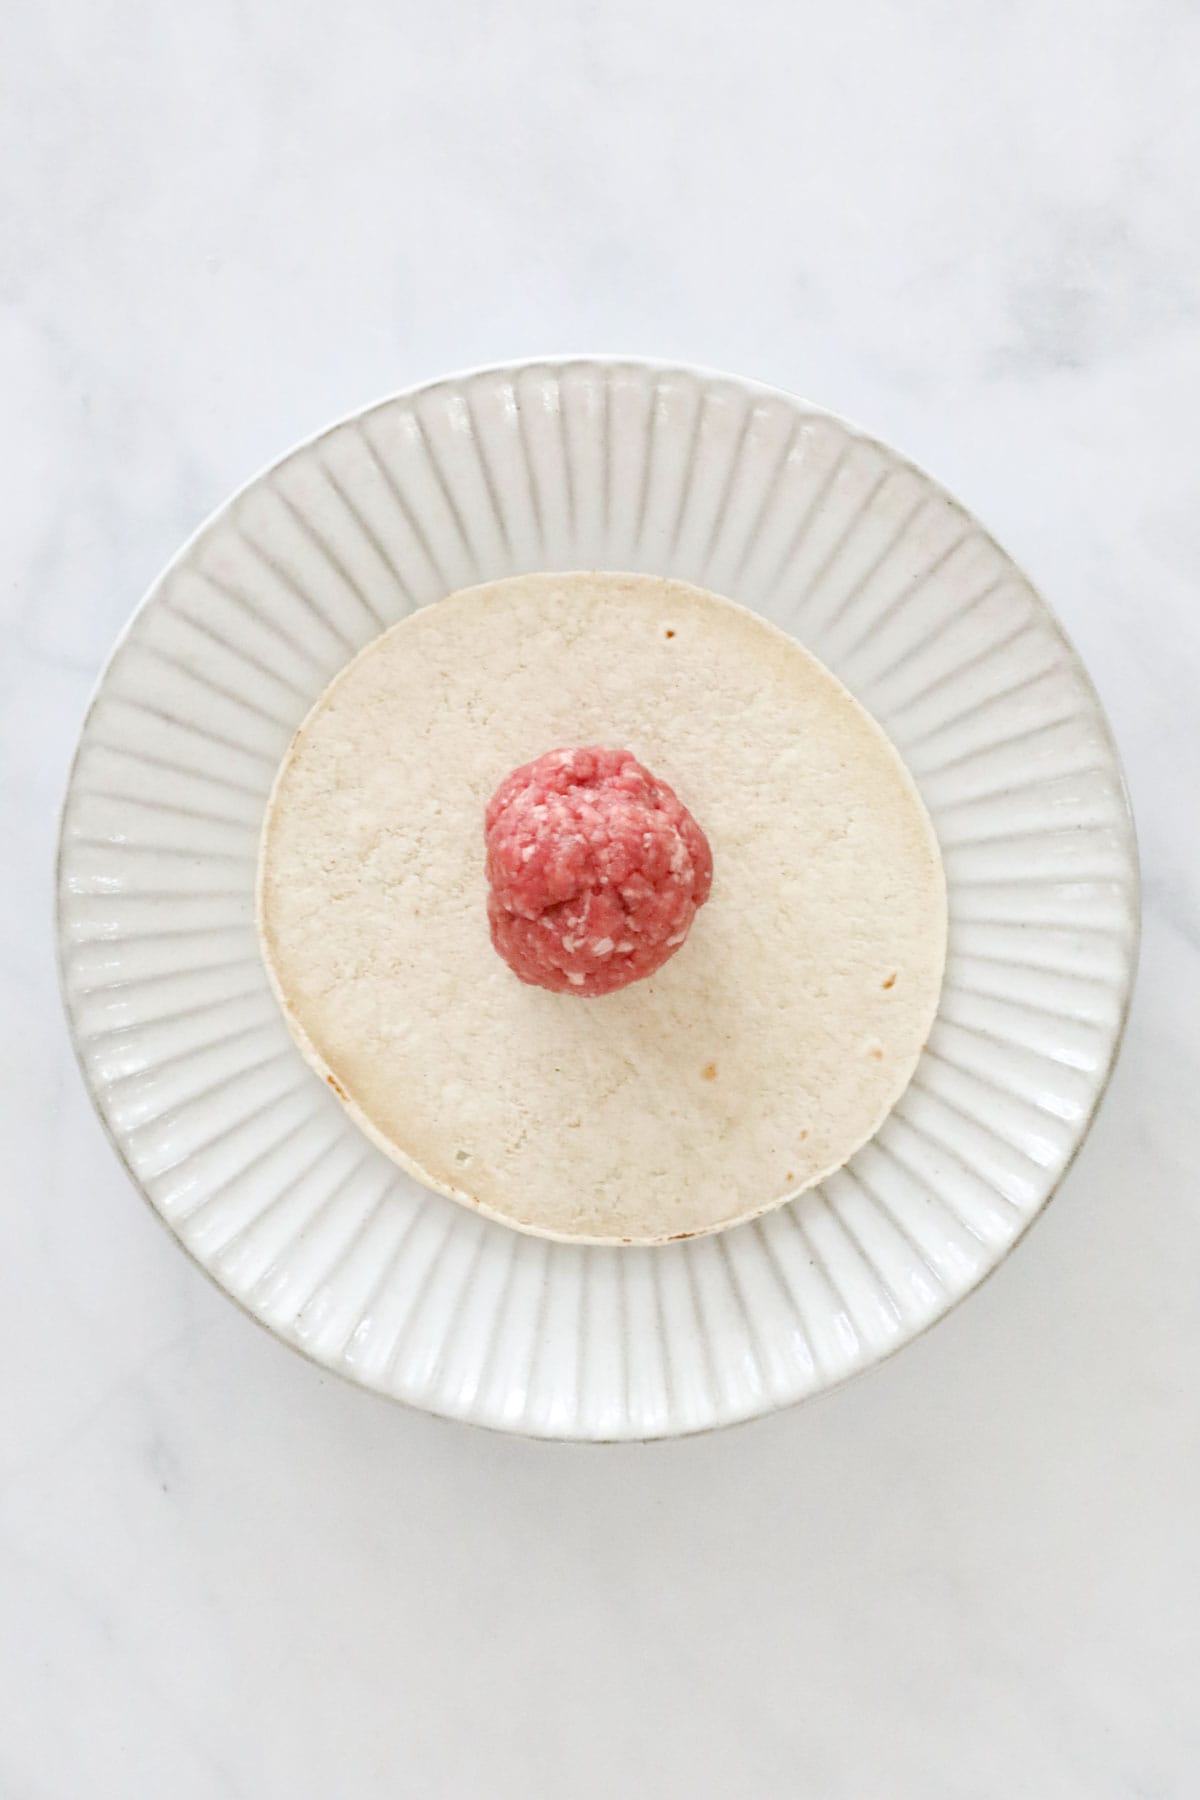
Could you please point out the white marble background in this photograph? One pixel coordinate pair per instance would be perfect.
(975, 1574)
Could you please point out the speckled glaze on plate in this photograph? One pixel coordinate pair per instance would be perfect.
(252, 1163)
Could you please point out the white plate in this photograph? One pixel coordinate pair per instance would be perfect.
(591, 464)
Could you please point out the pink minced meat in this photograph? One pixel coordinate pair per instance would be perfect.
(595, 871)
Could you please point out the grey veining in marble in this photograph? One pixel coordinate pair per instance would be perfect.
(972, 1574)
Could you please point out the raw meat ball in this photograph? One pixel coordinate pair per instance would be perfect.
(595, 871)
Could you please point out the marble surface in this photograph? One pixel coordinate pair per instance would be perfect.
(974, 1573)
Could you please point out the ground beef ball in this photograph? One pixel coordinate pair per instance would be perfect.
(595, 871)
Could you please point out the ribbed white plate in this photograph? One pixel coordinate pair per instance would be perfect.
(591, 465)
